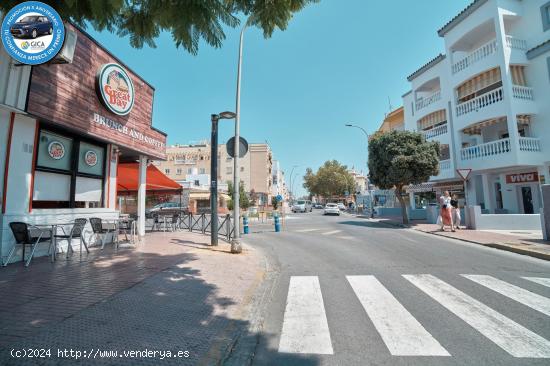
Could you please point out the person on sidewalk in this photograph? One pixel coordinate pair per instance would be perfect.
(445, 211)
(455, 210)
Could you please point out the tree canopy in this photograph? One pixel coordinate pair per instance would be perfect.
(189, 21)
(400, 158)
(244, 201)
(331, 179)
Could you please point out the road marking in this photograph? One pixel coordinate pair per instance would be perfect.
(525, 297)
(540, 280)
(332, 232)
(306, 230)
(345, 237)
(507, 334)
(305, 326)
(401, 332)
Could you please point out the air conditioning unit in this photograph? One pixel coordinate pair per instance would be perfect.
(65, 56)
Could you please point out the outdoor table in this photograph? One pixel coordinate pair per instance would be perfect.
(114, 226)
(52, 229)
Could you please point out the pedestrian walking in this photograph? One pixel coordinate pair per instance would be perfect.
(455, 210)
(445, 211)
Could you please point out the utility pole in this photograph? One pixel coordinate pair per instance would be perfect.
(214, 181)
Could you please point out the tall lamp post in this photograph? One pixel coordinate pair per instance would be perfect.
(236, 242)
(290, 182)
(368, 185)
(293, 181)
(214, 118)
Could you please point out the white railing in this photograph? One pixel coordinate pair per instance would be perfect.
(444, 165)
(479, 102)
(529, 144)
(436, 131)
(429, 100)
(497, 147)
(476, 55)
(522, 92)
(516, 43)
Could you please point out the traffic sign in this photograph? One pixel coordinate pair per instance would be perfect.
(464, 173)
(230, 146)
(279, 198)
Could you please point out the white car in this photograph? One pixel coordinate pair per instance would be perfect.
(331, 209)
(341, 206)
(302, 206)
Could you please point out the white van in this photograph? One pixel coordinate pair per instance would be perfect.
(302, 206)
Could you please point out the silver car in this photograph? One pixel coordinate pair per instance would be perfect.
(331, 209)
(302, 206)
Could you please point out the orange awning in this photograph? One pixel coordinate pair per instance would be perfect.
(128, 178)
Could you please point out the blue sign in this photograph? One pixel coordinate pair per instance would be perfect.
(32, 33)
(279, 198)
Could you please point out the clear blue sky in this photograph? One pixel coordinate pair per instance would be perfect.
(337, 62)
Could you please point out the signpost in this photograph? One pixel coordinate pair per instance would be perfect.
(243, 147)
(465, 174)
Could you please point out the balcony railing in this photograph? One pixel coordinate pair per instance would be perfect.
(529, 144)
(516, 43)
(444, 165)
(478, 54)
(497, 147)
(522, 92)
(429, 100)
(436, 131)
(479, 102)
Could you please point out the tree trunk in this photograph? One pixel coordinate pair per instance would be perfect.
(398, 192)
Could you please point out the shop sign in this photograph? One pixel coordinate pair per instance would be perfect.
(117, 126)
(522, 178)
(32, 33)
(115, 89)
(56, 150)
(90, 158)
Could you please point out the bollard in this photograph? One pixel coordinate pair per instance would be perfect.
(245, 225)
(277, 223)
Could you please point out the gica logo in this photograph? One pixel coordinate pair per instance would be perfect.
(32, 33)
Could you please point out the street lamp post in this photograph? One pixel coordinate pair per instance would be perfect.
(214, 118)
(292, 186)
(290, 182)
(368, 185)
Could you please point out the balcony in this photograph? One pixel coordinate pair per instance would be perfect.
(436, 131)
(522, 92)
(475, 56)
(479, 102)
(530, 144)
(492, 148)
(516, 43)
(424, 102)
(444, 165)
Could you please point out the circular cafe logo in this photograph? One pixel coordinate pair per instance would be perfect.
(56, 150)
(115, 89)
(32, 33)
(90, 158)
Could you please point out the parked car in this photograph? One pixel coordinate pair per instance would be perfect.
(302, 206)
(165, 208)
(318, 205)
(31, 26)
(341, 206)
(331, 209)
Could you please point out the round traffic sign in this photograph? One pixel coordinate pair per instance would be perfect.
(230, 146)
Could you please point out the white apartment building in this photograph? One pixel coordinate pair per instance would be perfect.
(487, 101)
(278, 186)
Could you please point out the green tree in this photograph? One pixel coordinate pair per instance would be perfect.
(274, 203)
(189, 21)
(331, 179)
(244, 201)
(400, 158)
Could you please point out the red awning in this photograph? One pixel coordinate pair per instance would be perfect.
(127, 179)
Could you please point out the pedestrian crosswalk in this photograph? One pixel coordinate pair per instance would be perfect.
(305, 327)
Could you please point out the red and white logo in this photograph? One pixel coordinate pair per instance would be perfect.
(522, 178)
(56, 150)
(115, 89)
(90, 158)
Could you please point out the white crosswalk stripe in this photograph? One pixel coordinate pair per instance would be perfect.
(507, 334)
(540, 280)
(345, 237)
(516, 293)
(305, 326)
(401, 332)
(332, 232)
(306, 230)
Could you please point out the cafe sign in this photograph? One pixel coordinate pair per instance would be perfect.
(115, 89)
(90, 158)
(522, 178)
(56, 150)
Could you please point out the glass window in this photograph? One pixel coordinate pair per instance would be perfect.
(52, 187)
(90, 159)
(54, 151)
(88, 192)
(167, 171)
(178, 171)
(202, 170)
(189, 170)
(545, 13)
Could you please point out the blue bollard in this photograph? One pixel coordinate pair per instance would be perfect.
(277, 223)
(246, 229)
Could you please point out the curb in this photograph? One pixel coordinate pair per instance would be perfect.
(504, 247)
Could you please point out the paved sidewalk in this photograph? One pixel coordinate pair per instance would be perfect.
(171, 293)
(522, 242)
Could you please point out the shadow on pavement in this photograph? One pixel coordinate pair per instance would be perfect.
(378, 224)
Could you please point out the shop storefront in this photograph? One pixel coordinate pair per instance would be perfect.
(64, 127)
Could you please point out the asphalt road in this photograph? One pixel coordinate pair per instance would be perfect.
(344, 291)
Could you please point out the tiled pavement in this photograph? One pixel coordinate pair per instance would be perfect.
(172, 292)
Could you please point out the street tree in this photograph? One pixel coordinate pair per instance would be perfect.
(244, 201)
(400, 158)
(189, 22)
(274, 203)
(331, 179)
